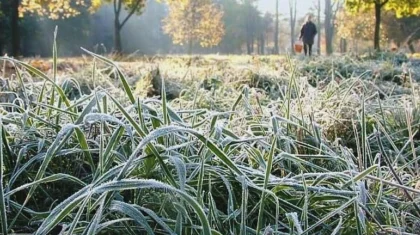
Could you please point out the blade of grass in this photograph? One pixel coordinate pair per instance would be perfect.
(3, 208)
(121, 76)
(330, 215)
(151, 147)
(132, 212)
(127, 184)
(266, 179)
(43, 76)
(172, 129)
(391, 167)
(360, 176)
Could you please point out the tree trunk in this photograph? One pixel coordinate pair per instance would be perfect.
(344, 42)
(1, 36)
(2, 30)
(190, 46)
(276, 30)
(267, 40)
(292, 24)
(343, 45)
(252, 43)
(377, 36)
(117, 27)
(259, 46)
(328, 41)
(319, 27)
(329, 27)
(262, 44)
(248, 45)
(248, 20)
(117, 36)
(193, 9)
(15, 28)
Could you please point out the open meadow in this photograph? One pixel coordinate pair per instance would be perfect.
(210, 117)
(210, 145)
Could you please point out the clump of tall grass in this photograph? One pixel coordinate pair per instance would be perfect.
(124, 165)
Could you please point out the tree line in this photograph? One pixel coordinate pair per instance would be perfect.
(200, 26)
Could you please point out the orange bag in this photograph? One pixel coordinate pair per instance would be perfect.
(298, 46)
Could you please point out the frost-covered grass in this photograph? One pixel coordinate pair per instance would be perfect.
(262, 149)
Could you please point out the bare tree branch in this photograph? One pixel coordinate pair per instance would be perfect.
(115, 6)
(119, 6)
(411, 35)
(133, 10)
(385, 2)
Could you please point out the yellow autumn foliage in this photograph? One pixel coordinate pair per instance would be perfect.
(359, 28)
(194, 21)
(53, 9)
(400, 7)
(59, 9)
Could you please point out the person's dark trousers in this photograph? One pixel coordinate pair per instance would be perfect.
(308, 48)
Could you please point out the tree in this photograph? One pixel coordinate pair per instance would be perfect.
(2, 28)
(251, 24)
(234, 21)
(402, 31)
(293, 9)
(130, 6)
(331, 9)
(343, 45)
(268, 28)
(276, 30)
(69, 8)
(244, 25)
(264, 26)
(356, 29)
(15, 27)
(194, 21)
(50, 9)
(318, 9)
(400, 7)
(150, 21)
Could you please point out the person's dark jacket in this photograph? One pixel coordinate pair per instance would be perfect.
(308, 32)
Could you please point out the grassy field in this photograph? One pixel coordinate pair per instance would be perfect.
(213, 145)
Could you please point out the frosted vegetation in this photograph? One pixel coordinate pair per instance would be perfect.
(213, 145)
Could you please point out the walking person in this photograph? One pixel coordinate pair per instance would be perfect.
(307, 33)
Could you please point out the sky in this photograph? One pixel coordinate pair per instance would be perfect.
(303, 6)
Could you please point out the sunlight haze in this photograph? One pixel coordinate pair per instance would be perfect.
(209, 117)
(303, 6)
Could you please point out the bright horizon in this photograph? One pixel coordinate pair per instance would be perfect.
(303, 6)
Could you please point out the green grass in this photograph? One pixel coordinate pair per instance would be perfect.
(262, 151)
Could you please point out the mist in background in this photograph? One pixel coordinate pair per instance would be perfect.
(249, 28)
(143, 34)
(303, 7)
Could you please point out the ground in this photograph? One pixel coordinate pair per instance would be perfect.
(229, 144)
